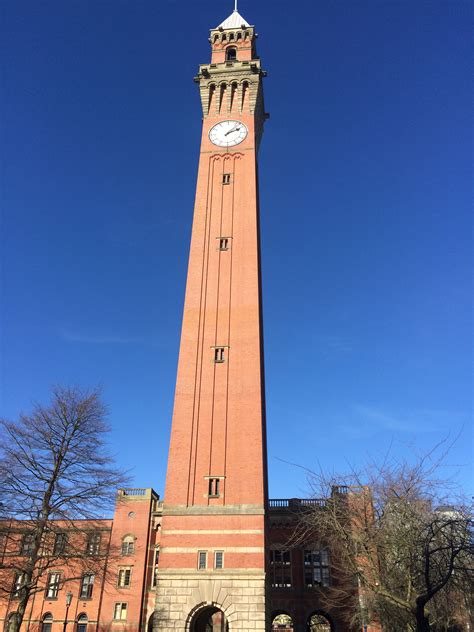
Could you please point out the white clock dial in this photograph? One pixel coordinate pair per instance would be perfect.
(228, 133)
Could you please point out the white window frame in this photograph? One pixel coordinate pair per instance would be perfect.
(121, 608)
(202, 568)
(221, 553)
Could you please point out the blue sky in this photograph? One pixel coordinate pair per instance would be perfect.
(365, 175)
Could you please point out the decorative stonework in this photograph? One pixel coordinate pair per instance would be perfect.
(241, 597)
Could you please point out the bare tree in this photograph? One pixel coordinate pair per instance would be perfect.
(54, 473)
(400, 552)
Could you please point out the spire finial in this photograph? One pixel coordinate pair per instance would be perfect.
(235, 5)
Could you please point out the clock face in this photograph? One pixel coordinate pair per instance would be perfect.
(228, 133)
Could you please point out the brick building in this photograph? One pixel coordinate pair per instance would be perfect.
(117, 590)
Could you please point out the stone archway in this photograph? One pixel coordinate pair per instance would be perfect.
(209, 619)
(319, 622)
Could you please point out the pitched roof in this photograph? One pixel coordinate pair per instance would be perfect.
(233, 21)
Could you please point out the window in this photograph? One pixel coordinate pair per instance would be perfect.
(93, 544)
(124, 577)
(87, 586)
(27, 544)
(280, 566)
(213, 491)
(18, 585)
(128, 545)
(219, 559)
(202, 560)
(81, 623)
(224, 243)
(219, 354)
(52, 586)
(47, 623)
(156, 560)
(316, 568)
(226, 178)
(120, 611)
(60, 543)
(231, 54)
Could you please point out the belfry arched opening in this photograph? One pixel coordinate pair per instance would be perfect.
(211, 619)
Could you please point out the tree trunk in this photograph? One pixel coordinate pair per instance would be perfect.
(422, 621)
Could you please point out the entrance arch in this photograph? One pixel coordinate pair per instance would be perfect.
(281, 621)
(209, 619)
(151, 620)
(319, 622)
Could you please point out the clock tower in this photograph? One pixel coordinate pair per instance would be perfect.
(211, 574)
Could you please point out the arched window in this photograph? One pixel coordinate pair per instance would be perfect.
(150, 622)
(282, 621)
(231, 53)
(47, 622)
(82, 623)
(319, 623)
(128, 545)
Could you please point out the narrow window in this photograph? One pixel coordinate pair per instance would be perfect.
(27, 544)
(93, 544)
(47, 623)
(202, 560)
(219, 354)
(120, 611)
(231, 54)
(223, 243)
(156, 560)
(82, 623)
(219, 559)
(87, 586)
(214, 484)
(226, 178)
(124, 577)
(18, 585)
(128, 545)
(60, 543)
(52, 586)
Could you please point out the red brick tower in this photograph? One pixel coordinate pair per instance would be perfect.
(212, 559)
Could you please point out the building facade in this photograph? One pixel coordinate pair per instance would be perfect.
(102, 575)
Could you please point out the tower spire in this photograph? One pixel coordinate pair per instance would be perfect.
(235, 6)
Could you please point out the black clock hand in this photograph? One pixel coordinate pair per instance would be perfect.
(234, 129)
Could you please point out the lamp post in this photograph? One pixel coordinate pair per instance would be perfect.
(68, 603)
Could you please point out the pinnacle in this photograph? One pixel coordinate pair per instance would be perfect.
(235, 20)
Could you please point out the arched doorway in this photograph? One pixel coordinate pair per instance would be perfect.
(81, 625)
(319, 622)
(150, 622)
(282, 621)
(210, 619)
